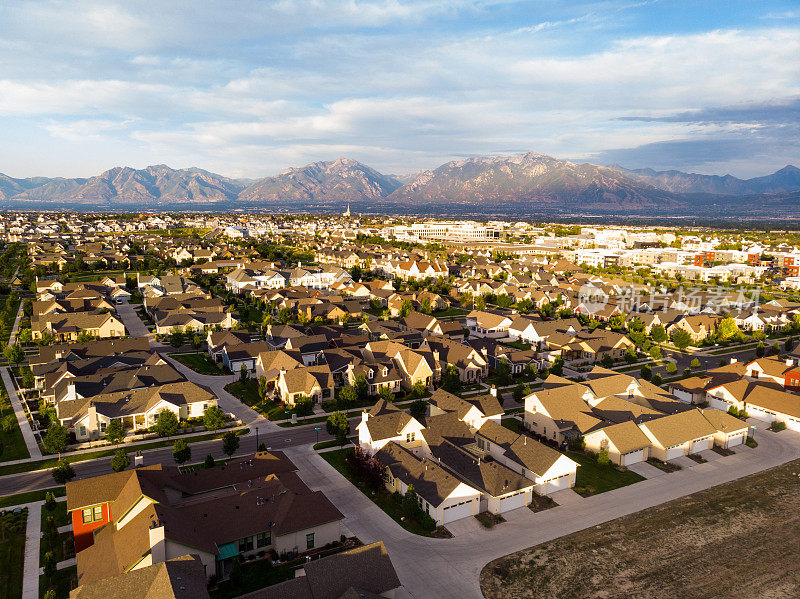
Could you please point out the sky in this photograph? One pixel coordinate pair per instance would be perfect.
(249, 88)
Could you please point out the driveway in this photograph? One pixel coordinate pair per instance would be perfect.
(133, 324)
(449, 568)
(227, 402)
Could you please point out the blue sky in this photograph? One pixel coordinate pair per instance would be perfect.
(248, 88)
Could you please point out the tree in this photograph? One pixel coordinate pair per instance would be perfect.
(181, 451)
(418, 408)
(361, 387)
(63, 472)
(49, 501)
(50, 594)
(681, 339)
(658, 334)
(338, 426)
(760, 350)
(450, 379)
(419, 390)
(726, 329)
(55, 440)
(410, 503)
(197, 341)
(209, 462)
(49, 565)
(695, 363)
(115, 431)
(8, 423)
(386, 394)
(671, 368)
(120, 461)
(14, 353)
(655, 352)
(176, 337)
(166, 423)
(646, 372)
(27, 378)
(347, 397)
(243, 374)
(425, 305)
(789, 344)
(656, 380)
(503, 372)
(230, 443)
(214, 418)
(607, 361)
(602, 458)
(25, 336)
(405, 308)
(519, 393)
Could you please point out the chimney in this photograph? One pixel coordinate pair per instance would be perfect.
(138, 459)
(493, 391)
(789, 362)
(733, 360)
(436, 355)
(364, 415)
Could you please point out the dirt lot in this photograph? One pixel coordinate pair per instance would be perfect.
(740, 539)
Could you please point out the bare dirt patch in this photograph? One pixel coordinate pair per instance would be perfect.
(735, 540)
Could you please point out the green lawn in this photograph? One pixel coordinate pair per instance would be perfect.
(255, 575)
(63, 582)
(13, 443)
(12, 555)
(248, 393)
(513, 424)
(199, 362)
(518, 344)
(450, 312)
(593, 478)
(382, 498)
(30, 496)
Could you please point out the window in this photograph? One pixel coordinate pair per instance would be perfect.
(82, 431)
(245, 544)
(94, 514)
(310, 541)
(263, 539)
(410, 437)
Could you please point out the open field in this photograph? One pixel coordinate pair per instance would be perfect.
(735, 540)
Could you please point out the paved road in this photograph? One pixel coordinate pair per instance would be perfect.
(19, 412)
(13, 337)
(274, 439)
(449, 568)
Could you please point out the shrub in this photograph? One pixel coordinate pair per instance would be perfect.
(602, 458)
(166, 423)
(656, 380)
(209, 461)
(671, 367)
(418, 408)
(214, 418)
(777, 425)
(646, 372)
(695, 363)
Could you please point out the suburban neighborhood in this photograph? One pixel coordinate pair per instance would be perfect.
(337, 406)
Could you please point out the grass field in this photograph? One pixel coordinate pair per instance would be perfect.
(734, 540)
(63, 582)
(14, 447)
(199, 362)
(12, 554)
(593, 478)
(248, 393)
(30, 497)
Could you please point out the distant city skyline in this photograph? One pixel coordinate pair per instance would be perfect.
(248, 88)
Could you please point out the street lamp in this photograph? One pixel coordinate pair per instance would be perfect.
(316, 429)
(256, 438)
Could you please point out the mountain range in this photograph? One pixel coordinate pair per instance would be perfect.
(524, 183)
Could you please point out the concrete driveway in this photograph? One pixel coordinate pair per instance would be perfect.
(133, 324)
(449, 568)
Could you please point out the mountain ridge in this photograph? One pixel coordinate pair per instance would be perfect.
(523, 182)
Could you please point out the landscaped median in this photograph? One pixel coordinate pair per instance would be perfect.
(51, 462)
(12, 553)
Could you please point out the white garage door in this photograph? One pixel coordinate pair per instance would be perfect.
(736, 439)
(457, 511)
(513, 502)
(700, 445)
(675, 452)
(556, 484)
(633, 457)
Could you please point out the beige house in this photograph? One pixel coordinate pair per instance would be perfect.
(67, 326)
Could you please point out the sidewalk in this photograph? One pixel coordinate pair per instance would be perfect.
(22, 419)
(13, 338)
(33, 535)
